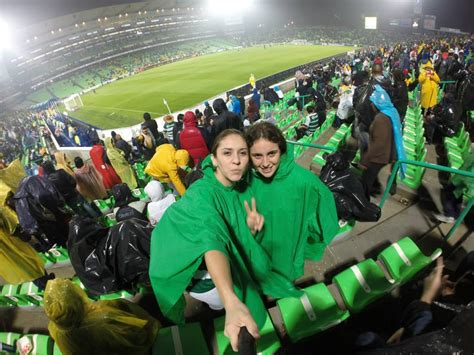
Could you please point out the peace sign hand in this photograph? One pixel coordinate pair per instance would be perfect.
(255, 220)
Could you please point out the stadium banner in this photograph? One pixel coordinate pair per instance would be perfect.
(450, 30)
(429, 22)
(371, 23)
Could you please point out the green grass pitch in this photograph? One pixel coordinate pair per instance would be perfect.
(190, 82)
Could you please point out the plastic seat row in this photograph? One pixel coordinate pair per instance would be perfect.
(299, 150)
(358, 286)
(414, 144)
(337, 140)
(41, 344)
(106, 206)
(29, 295)
(457, 148)
(55, 256)
(318, 309)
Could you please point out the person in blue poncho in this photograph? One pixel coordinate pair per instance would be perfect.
(385, 142)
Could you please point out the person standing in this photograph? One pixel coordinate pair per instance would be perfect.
(192, 138)
(169, 127)
(151, 125)
(429, 81)
(109, 176)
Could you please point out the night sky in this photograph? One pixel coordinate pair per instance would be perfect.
(452, 13)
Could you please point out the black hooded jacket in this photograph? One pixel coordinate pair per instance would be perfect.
(225, 119)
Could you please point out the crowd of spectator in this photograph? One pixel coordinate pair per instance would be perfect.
(228, 239)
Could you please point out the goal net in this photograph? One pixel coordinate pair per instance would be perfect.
(73, 102)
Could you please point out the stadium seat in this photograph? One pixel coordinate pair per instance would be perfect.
(9, 295)
(31, 293)
(403, 259)
(117, 295)
(9, 339)
(105, 206)
(312, 313)
(183, 340)
(362, 284)
(141, 194)
(268, 343)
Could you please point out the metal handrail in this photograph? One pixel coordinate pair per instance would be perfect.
(393, 175)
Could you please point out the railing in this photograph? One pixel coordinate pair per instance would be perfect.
(446, 169)
(393, 176)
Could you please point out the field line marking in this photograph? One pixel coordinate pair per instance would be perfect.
(122, 109)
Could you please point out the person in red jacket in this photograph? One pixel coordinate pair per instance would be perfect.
(109, 176)
(193, 139)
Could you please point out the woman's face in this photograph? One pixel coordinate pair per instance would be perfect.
(231, 159)
(265, 157)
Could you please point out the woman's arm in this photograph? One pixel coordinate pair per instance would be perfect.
(237, 313)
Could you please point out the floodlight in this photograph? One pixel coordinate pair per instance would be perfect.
(5, 36)
(219, 7)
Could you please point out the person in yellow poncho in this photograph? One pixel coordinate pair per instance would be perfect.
(81, 326)
(166, 164)
(63, 163)
(19, 262)
(120, 164)
(429, 81)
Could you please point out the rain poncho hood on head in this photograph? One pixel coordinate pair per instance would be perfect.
(62, 163)
(210, 216)
(80, 326)
(297, 195)
(19, 262)
(120, 164)
(381, 100)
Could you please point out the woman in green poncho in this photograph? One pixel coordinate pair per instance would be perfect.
(209, 224)
(120, 164)
(299, 210)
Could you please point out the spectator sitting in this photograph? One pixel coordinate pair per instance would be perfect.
(160, 201)
(122, 145)
(120, 164)
(166, 165)
(65, 184)
(79, 325)
(89, 182)
(127, 206)
(193, 139)
(309, 126)
(253, 111)
(98, 157)
(63, 163)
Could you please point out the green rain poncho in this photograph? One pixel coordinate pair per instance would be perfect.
(300, 216)
(120, 164)
(210, 216)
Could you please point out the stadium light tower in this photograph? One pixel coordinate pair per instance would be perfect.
(5, 36)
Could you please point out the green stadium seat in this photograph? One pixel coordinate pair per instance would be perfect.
(9, 339)
(268, 343)
(312, 313)
(9, 295)
(183, 340)
(42, 344)
(105, 206)
(117, 295)
(31, 293)
(141, 194)
(362, 284)
(403, 259)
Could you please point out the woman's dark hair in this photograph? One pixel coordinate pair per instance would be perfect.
(222, 135)
(266, 131)
(78, 162)
(398, 75)
(48, 167)
(146, 116)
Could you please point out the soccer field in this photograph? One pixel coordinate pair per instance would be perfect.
(190, 82)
